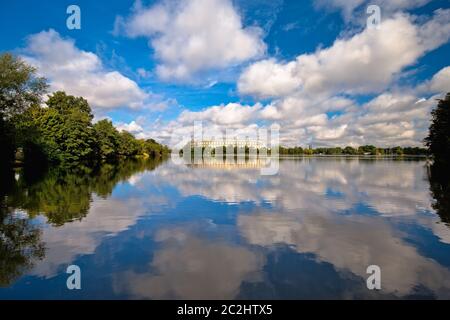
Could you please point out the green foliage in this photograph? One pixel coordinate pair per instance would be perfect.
(67, 105)
(415, 151)
(154, 149)
(128, 145)
(398, 151)
(63, 135)
(61, 195)
(350, 150)
(112, 144)
(439, 178)
(65, 194)
(65, 129)
(368, 149)
(438, 140)
(328, 151)
(108, 139)
(20, 89)
(7, 142)
(50, 126)
(20, 246)
(362, 150)
(60, 133)
(290, 151)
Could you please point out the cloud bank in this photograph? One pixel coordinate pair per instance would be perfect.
(81, 73)
(189, 37)
(316, 97)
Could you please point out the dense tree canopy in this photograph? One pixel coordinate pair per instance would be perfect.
(128, 146)
(20, 88)
(438, 143)
(362, 150)
(60, 132)
(65, 131)
(438, 140)
(20, 246)
(61, 195)
(66, 105)
(108, 139)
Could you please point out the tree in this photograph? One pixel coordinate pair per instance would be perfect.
(62, 132)
(65, 131)
(7, 143)
(350, 150)
(79, 143)
(20, 89)
(66, 104)
(108, 139)
(45, 144)
(439, 178)
(438, 139)
(154, 149)
(397, 151)
(20, 248)
(368, 149)
(128, 145)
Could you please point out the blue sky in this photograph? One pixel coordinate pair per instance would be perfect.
(314, 67)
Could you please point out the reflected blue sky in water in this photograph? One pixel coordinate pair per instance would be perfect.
(308, 232)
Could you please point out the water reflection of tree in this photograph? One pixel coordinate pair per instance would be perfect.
(61, 195)
(20, 246)
(64, 195)
(20, 240)
(439, 178)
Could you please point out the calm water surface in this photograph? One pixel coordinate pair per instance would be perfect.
(160, 230)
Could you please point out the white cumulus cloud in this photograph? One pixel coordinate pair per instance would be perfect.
(132, 127)
(81, 73)
(365, 63)
(189, 37)
(441, 81)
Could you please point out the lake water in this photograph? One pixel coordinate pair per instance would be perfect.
(158, 230)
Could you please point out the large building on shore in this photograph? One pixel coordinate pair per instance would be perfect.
(235, 142)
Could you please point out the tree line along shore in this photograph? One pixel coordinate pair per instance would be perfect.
(347, 151)
(59, 130)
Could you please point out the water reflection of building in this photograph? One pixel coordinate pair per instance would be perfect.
(235, 142)
(234, 163)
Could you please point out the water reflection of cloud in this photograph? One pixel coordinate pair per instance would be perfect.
(188, 267)
(304, 216)
(311, 221)
(350, 243)
(106, 218)
(390, 188)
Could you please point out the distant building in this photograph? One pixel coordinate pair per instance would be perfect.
(217, 143)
